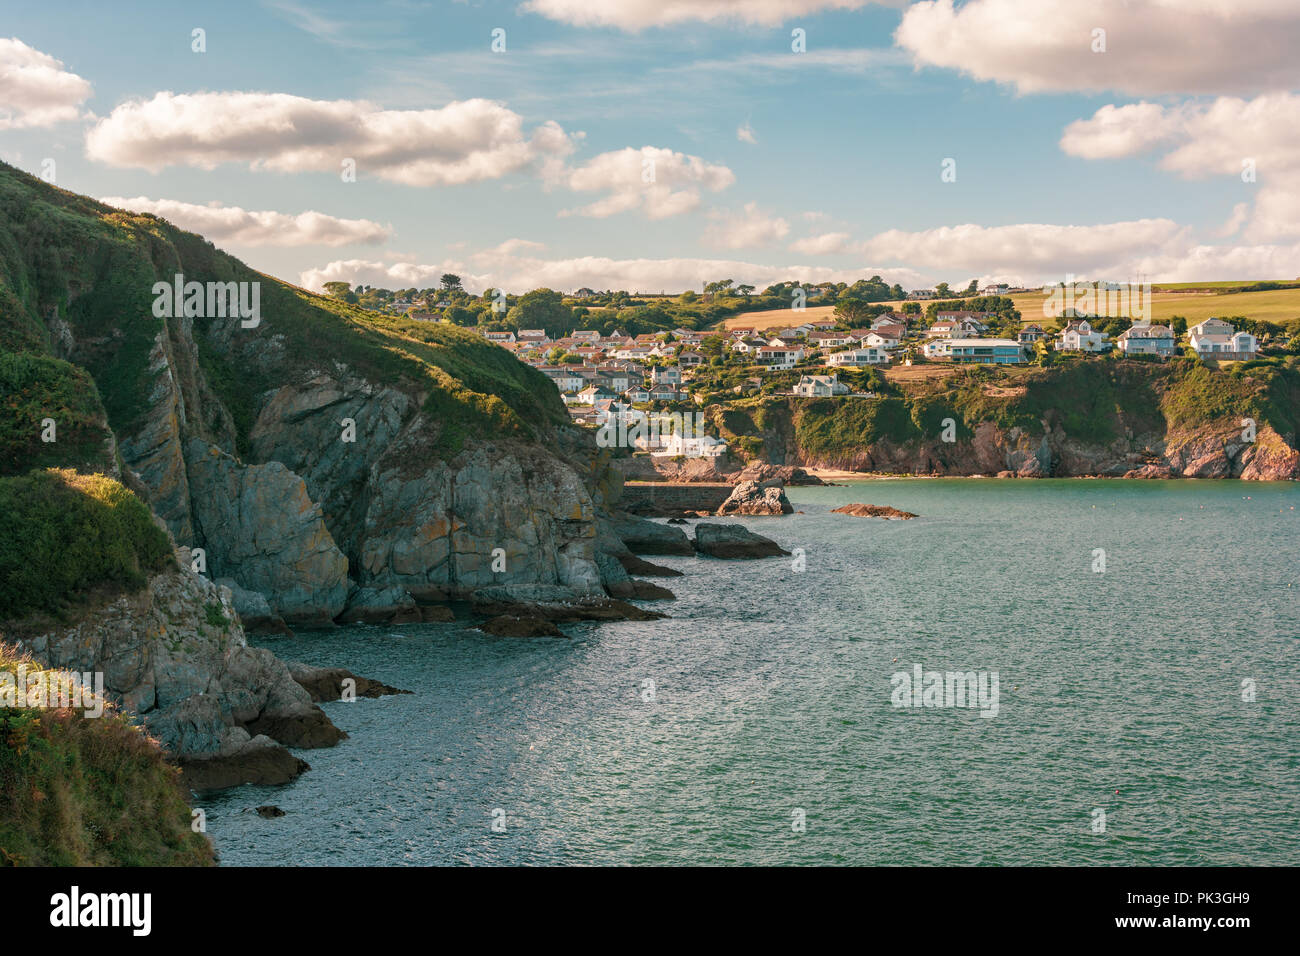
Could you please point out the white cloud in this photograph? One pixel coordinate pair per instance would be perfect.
(1152, 46)
(1035, 251)
(749, 227)
(35, 89)
(253, 228)
(494, 269)
(462, 142)
(745, 133)
(633, 15)
(660, 182)
(826, 244)
(1218, 138)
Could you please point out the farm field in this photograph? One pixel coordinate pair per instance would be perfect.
(1279, 305)
(779, 318)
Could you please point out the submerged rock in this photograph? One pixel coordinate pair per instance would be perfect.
(734, 541)
(326, 683)
(270, 812)
(260, 761)
(872, 511)
(509, 625)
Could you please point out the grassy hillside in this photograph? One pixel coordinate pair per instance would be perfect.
(63, 535)
(67, 258)
(82, 791)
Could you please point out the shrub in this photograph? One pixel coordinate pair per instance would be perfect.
(63, 534)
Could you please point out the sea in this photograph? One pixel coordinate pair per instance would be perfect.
(1037, 672)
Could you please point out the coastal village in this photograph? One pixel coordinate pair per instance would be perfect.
(626, 379)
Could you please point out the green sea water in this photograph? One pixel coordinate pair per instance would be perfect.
(758, 724)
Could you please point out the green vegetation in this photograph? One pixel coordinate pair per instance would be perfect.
(34, 388)
(94, 267)
(1094, 400)
(82, 791)
(63, 535)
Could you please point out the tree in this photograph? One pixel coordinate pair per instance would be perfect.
(542, 309)
(942, 291)
(911, 308)
(852, 311)
(745, 290)
(450, 282)
(337, 290)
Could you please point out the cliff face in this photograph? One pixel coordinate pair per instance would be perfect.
(324, 457)
(1113, 419)
(320, 464)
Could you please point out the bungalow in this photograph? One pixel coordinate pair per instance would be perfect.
(586, 335)
(921, 294)
(999, 289)
(1147, 339)
(987, 351)
(890, 318)
(881, 340)
(796, 332)
(1078, 336)
(534, 336)
(1030, 334)
(820, 386)
(499, 336)
(853, 357)
(829, 340)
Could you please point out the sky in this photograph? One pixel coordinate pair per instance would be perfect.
(655, 145)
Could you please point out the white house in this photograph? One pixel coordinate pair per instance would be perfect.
(706, 446)
(856, 357)
(820, 386)
(1216, 339)
(1078, 336)
(500, 336)
(880, 340)
(937, 348)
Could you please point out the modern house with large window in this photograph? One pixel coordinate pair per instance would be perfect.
(987, 351)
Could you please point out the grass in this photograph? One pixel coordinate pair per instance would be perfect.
(1275, 305)
(87, 791)
(781, 318)
(63, 534)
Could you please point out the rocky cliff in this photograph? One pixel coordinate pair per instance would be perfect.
(316, 464)
(1112, 418)
(323, 458)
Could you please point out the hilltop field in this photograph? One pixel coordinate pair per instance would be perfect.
(1194, 301)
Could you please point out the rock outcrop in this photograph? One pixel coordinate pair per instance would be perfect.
(873, 511)
(734, 541)
(175, 654)
(327, 683)
(755, 498)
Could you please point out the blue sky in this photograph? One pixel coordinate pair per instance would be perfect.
(820, 164)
